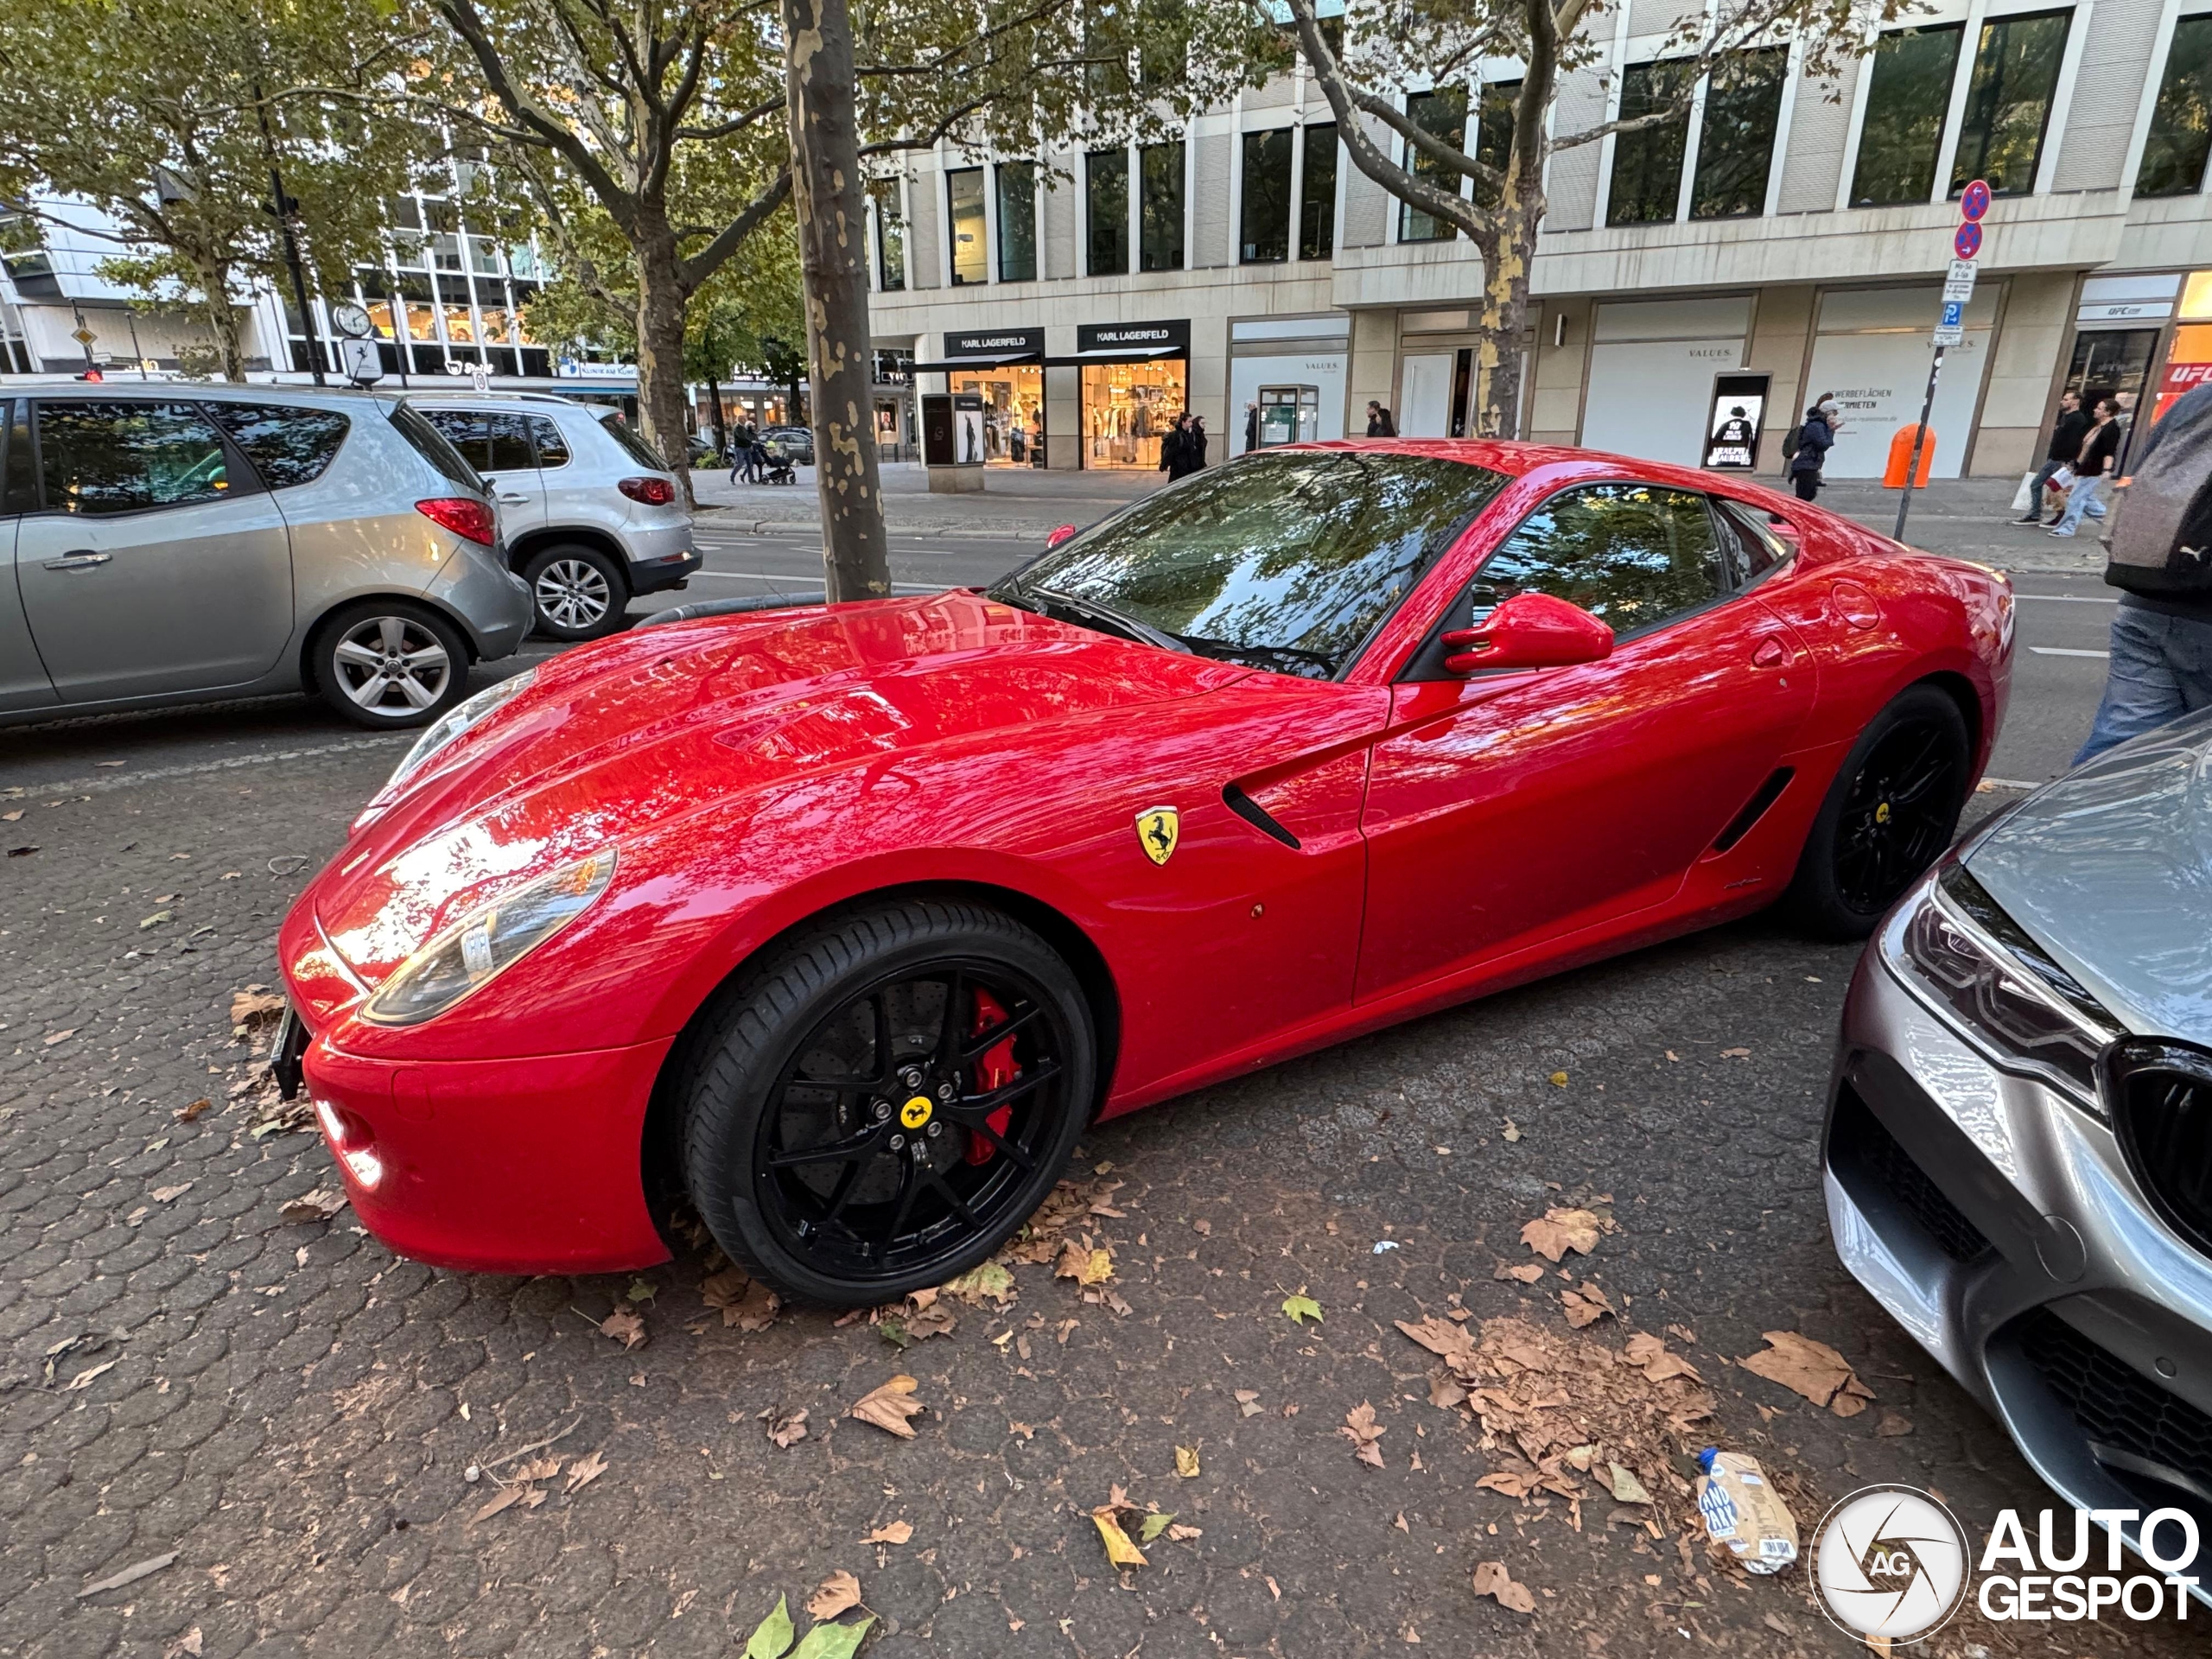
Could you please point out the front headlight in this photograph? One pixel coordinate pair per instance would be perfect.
(485, 944)
(439, 732)
(1961, 949)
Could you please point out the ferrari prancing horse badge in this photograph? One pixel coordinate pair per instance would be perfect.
(1157, 829)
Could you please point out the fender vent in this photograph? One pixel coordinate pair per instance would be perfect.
(1255, 815)
(1755, 809)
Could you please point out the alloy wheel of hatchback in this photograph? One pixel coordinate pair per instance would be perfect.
(573, 593)
(393, 666)
(903, 1116)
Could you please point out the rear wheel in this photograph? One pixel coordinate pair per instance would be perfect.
(1890, 814)
(579, 593)
(882, 1104)
(384, 663)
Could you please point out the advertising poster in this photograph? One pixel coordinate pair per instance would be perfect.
(1732, 422)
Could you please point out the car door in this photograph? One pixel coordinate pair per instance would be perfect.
(496, 442)
(572, 495)
(24, 681)
(154, 562)
(1518, 806)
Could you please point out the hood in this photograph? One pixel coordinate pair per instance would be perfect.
(648, 728)
(2110, 869)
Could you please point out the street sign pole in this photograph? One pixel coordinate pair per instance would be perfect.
(1919, 437)
(1950, 327)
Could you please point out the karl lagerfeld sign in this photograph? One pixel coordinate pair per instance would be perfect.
(995, 341)
(1164, 338)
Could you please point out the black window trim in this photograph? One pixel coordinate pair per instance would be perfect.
(238, 468)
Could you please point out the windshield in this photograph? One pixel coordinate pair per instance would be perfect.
(1286, 562)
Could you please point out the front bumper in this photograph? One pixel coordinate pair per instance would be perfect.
(1997, 1221)
(664, 571)
(528, 1166)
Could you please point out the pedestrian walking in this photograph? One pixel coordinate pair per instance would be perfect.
(2065, 444)
(741, 441)
(1251, 428)
(2161, 561)
(1814, 439)
(1194, 446)
(2100, 444)
(1379, 423)
(1171, 448)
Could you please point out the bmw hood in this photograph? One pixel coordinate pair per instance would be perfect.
(2110, 869)
(645, 728)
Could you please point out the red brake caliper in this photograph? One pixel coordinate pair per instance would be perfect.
(994, 1071)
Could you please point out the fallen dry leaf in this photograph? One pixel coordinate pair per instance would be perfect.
(1084, 1266)
(1528, 1273)
(1557, 1231)
(624, 1327)
(1559, 1079)
(840, 1593)
(169, 1194)
(539, 1469)
(190, 1113)
(1626, 1488)
(1362, 1430)
(131, 1574)
(1812, 1369)
(54, 1037)
(786, 1428)
(744, 1302)
(1492, 1580)
(1650, 1356)
(84, 1378)
(1187, 1462)
(1892, 1426)
(190, 1644)
(889, 1407)
(1107, 1517)
(318, 1206)
(1183, 1535)
(1586, 1306)
(893, 1532)
(990, 1281)
(253, 1003)
(1735, 1053)
(505, 1498)
(583, 1472)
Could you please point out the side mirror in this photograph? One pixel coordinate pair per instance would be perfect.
(1059, 534)
(1529, 631)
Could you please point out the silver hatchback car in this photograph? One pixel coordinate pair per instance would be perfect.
(2019, 1141)
(176, 542)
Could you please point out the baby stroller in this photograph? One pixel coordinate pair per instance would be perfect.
(777, 468)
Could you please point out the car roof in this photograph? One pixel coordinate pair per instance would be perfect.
(217, 390)
(532, 399)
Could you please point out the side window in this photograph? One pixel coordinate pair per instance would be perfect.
(552, 448)
(100, 458)
(286, 446)
(1752, 547)
(490, 442)
(1634, 554)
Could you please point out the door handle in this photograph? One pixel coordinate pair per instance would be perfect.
(1770, 654)
(83, 559)
(517, 499)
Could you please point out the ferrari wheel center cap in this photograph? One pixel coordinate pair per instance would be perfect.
(1881, 813)
(916, 1112)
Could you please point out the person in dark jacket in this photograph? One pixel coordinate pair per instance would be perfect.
(2092, 467)
(1251, 428)
(2065, 443)
(743, 440)
(1171, 448)
(1814, 439)
(1194, 445)
(2161, 665)
(1379, 423)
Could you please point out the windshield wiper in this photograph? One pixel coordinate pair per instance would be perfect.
(1224, 648)
(1090, 611)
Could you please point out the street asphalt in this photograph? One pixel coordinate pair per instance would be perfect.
(282, 1416)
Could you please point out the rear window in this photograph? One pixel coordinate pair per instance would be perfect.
(490, 441)
(288, 446)
(430, 443)
(637, 449)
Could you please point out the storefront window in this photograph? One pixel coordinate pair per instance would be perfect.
(1908, 95)
(2181, 128)
(963, 190)
(1106, 211)
(1161, 236)
(380, 319)
(460, 327)
(1266, 235)
(1445, 114)
(1743, 105)
(1127, 409)
(1017, 182)
(1648, 162)
(1317, 210)
(1013, 411)
(2008, 102)
(421, 323)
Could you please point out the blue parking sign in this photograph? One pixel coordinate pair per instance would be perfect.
(1953, 313)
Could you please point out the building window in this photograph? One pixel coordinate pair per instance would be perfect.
(1443, 114)
(1266, 237)
(1106, 211)
(1735, 148)
(1908, 95)
(2008, 102)
(1494, 135)
(1648, 161)
(1317, 210)
(1161, 231)
(2181, 125)
(963, 192)
(890, 237)
(1017, 182)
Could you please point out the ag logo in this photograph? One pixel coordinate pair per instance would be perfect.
(1891, 1562)
(916, 1112)
(1158, 827)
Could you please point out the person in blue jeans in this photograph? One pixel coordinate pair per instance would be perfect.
(2092, 467)
(2161, 666)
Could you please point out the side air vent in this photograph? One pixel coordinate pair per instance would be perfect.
(1255, 815)
(1755, 809)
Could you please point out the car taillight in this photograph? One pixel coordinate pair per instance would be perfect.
(465, 516)
(653, 492)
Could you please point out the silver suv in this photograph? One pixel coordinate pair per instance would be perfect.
(592, 517)
(175, 542)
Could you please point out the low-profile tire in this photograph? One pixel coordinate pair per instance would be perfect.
(1890, 814)
(809, 1068)
(576, 592)
(388, 664)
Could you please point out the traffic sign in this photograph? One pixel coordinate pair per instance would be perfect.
(1967, 242)
(1953, 315)
(1948, 335)
(1958, 281)
(83, 336)
(1974, 201)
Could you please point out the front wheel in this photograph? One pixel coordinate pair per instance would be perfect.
(1890, 814)
(879, 1106)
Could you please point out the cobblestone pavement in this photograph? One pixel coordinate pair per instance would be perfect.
(284, 1414)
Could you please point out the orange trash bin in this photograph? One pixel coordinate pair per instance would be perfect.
(1901, 458)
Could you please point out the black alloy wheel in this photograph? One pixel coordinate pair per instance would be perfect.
(1890, 813)
(887, 1103)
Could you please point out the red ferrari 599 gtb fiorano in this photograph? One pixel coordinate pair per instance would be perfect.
(843, 923)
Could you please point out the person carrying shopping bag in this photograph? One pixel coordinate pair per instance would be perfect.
(2099, 445)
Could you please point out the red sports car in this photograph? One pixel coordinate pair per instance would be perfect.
(844, 923)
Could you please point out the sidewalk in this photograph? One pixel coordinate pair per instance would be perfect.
(1970, 519)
